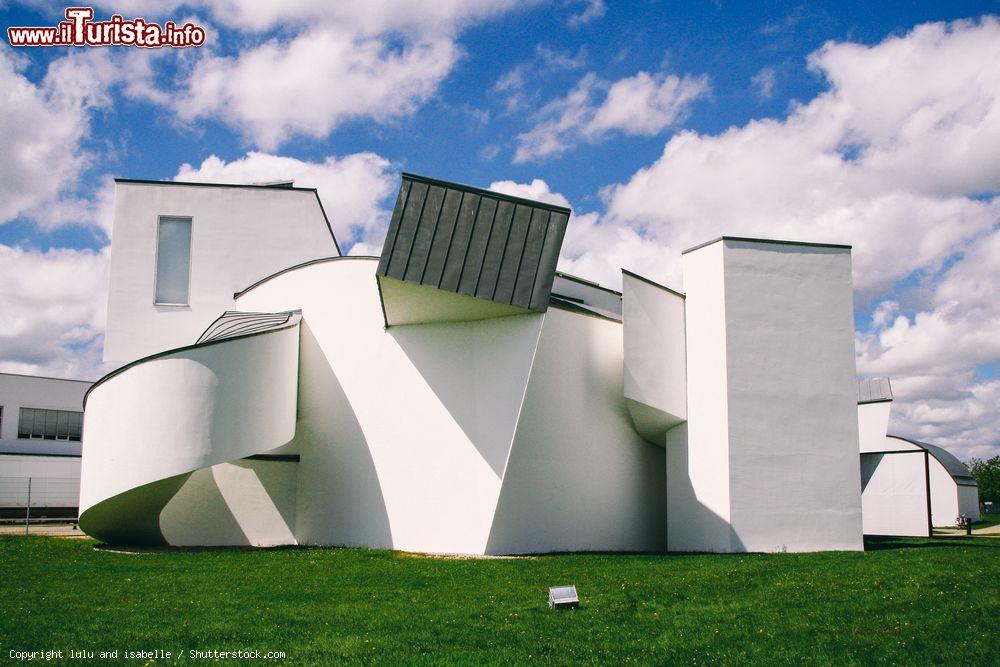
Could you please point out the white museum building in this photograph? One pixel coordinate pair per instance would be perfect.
(458, 394)
(908, 487)
(41, 425)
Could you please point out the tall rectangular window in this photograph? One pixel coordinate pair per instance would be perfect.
(173, 260)
(42, 424)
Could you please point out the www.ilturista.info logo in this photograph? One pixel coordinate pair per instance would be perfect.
(81, 30)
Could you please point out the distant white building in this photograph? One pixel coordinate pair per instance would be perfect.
(457, 394)
(41, 426)
(908, 487)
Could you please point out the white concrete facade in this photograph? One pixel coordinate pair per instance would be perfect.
(238, 234)
(770, 445)
(654, 356)
(53, 463)
(409, 414)
(28, 391)
(909, 487)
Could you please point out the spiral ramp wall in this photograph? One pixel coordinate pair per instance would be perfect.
(191, 446)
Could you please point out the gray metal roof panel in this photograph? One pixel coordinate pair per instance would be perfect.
(874, 390)
(233, 323)
(474, 242)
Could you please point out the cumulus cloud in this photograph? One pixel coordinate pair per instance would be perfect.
(538, 190)
(54, 301)
(54, 304)
(315, 82)
(931, 355)
(892, 158)
(47, 171)
(353, 188)
(643, 104)
(896, 157)
(41, 127)
(369, 18)
(311, 66)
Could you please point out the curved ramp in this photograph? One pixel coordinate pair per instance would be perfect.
(154, 422)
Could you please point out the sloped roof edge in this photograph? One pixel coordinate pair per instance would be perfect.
(958, 470)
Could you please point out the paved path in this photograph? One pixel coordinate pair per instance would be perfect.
(48, 530)
(989, 531)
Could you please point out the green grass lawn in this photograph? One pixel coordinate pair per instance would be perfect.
(904, 601)
(987, 519)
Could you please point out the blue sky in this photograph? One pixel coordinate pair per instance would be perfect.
(661, 123)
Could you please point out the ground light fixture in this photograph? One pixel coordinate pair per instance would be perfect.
(563, 597)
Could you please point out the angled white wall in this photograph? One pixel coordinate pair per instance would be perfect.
(949, 498)
(579, 476)
(238, 235)
(772, 434)
(654, 356)
(894, 493)
(589, 292)
(873, 425)
(968, 502)
(698, 501)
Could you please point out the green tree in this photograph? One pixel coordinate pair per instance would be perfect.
(987, 474)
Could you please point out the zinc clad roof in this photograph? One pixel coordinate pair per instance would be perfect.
(234, 323)
(874, 390)
(475, 242)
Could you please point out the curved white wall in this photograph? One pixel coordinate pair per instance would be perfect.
(406, 433)
(152, 424)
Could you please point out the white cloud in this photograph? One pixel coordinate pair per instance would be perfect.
(537, 190)
(643, 104)
(897, 157)
(592, 10)
(489, 152)
(853, 165)
(44, 133)
(325, 63)
(315, 82)
(369, 18)
(764, 82)
(514, 82)
(54, 304)
(353, 188)
(957, 328)
(964, 420)
(646, 104)
(41, 127)
(620, 245)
